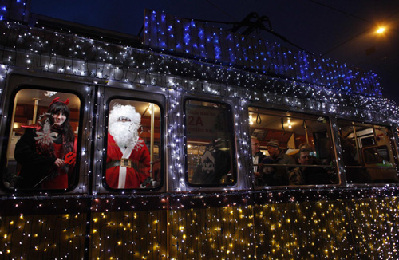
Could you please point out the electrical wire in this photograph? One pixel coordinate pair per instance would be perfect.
(237, 24)
(349, 15)
(339, 11)
(221, 10)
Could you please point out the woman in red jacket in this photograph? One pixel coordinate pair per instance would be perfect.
(47, 151)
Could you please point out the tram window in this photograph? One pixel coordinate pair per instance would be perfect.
(291, 149)
(42, 148)
(210, 150)
(133, 158)
(368, 153)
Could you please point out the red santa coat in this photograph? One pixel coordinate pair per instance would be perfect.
(119, 177)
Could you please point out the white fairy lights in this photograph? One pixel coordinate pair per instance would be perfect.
(316, 223)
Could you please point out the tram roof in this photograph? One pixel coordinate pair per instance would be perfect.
(281, 72)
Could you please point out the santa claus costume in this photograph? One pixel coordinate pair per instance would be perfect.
(128, 159)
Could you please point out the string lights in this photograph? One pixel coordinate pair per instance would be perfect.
(319, 222)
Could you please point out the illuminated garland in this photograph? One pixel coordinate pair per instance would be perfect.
(200, 40)
(319, 222)
(68, 54)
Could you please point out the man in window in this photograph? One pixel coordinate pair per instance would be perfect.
(308, 175)
(257, 158)
(276, 175)
(128, 159)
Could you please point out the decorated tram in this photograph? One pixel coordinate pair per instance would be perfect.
(206, 104)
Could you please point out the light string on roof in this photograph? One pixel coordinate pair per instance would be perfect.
(321, 222)
(198, 40)
(80, 56)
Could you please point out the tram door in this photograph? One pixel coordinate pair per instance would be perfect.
(129, 216)
(44, 167)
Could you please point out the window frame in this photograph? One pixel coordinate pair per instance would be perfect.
(394, 150)
(296, 114)
(231, 135)
(18, 82)
(100, 185)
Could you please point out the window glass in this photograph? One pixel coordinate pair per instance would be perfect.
(42, 148)
(368, 153)
(291, 148)
(133, 157)
(209, 132)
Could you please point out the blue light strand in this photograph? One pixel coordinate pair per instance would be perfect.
(217, 45)
(272, 59)
(161, 31)
(201, 42)
(231, 49)
(186, 37)
(104, 57)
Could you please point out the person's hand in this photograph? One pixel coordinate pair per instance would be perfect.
(257, 174)
(59, 162)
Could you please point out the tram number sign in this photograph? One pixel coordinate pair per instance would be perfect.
(201, 122)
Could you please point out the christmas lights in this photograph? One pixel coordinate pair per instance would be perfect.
(317, 222)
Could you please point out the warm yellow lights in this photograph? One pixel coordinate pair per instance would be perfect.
(311, 229)
(381, 29)
(253, 118)
(289, 123)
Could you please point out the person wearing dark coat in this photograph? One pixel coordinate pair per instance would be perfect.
(276, 175)
(46, 152)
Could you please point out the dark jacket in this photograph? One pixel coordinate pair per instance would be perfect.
(276, 175)
(34, 166)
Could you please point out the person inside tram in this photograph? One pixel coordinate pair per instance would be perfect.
(47, 150)
(276, 175)
(257, 158)
(351, 160)
(215, 165)
(303, 175)
(128, 158)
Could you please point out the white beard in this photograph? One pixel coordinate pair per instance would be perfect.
(124, 133)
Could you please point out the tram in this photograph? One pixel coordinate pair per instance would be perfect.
(203, 121)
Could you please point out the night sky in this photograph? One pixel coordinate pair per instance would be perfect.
(335, 29)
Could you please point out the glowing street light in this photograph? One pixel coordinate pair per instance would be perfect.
(381, 29)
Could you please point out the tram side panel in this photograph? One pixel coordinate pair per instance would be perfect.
(211, 226)
(333, 228)
(38, 222)
(133, 227)
(34, 229)
(331, 219)
(130, 220)
(307, 221)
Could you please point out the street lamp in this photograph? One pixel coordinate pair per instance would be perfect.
(381, 29)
